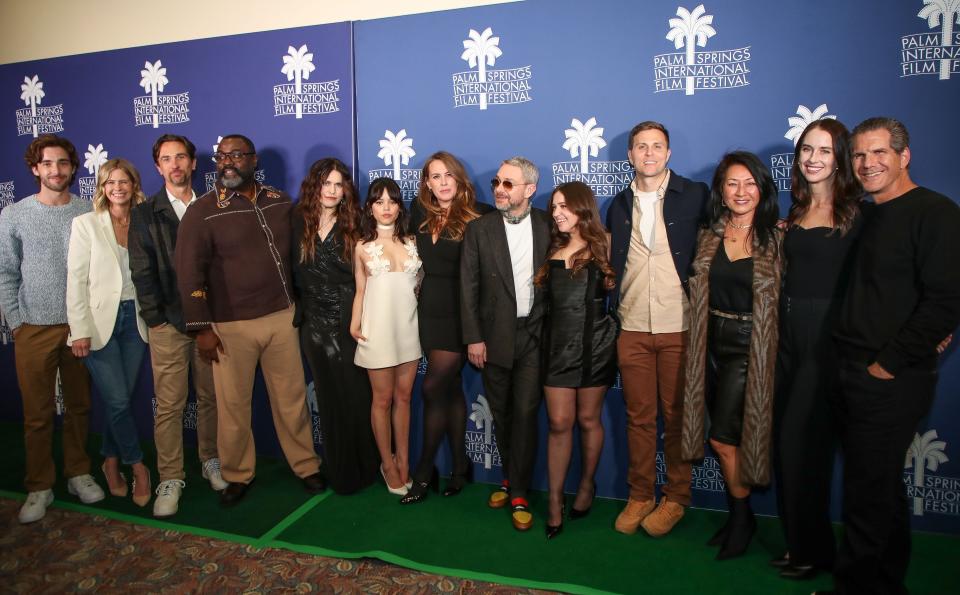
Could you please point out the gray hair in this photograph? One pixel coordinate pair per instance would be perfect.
(531, 175)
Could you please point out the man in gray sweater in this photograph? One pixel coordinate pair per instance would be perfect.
(34, 236)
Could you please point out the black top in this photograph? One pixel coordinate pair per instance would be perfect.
(817, 259)
(731, 283)
(903, 295)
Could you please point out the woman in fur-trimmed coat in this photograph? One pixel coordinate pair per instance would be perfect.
(734, 295)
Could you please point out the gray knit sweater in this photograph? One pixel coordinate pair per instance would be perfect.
(34, 238)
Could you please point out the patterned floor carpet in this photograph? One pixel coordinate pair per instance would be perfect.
(75, 552)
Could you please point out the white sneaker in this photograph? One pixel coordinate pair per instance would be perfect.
(86, 488)
(211, 472)
(35, 507)
(168, 497)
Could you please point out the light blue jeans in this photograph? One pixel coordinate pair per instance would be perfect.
(114, 370)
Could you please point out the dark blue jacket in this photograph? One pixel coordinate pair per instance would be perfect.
(684, 206)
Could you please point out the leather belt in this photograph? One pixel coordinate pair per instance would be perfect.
(732, 315)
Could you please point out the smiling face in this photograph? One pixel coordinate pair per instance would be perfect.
(565, 219)
(441, 182)
(118, 188)
(175, 165)
(881, 170)
(649, 153)
(54, 169)
(331, 191)
(817, 160)
(740, 192)
(235, 173)
(385, 210)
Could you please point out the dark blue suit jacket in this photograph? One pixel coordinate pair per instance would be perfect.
(684, 206)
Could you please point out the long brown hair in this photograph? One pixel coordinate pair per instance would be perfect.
(461, 209)
(309, 207)
(581, 202)
(845, 187)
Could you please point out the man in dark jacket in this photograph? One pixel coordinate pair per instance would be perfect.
(653, 226)
(153, 237)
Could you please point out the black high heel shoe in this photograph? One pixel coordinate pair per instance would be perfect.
(418, 492)
(457, 482)
(576, 513)
(554, 530)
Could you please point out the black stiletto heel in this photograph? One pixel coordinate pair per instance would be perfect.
(554, 530)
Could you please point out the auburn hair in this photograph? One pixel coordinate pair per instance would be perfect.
(454, 220)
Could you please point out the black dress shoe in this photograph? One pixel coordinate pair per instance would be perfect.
(799, 573)
(233, 493)
(780, 561)
(314, 484)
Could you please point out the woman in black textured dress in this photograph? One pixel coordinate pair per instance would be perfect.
(445, 204)
(580, 340)
(325, 232)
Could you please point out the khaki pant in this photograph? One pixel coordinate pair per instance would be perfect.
(38, 351)
(272, 341)
(172, 356)
(651, 369)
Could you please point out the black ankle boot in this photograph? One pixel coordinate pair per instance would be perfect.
(418, 492)
(721, 534)
(742, 526)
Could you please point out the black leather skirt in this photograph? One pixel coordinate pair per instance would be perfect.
(728, 351)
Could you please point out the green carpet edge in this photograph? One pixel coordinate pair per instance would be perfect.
(293, 517)
(429, 568)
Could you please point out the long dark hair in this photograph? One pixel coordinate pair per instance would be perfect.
(768, 211)
(845, 187)
(583, 204)
(309, 207)
(368, 225)
(461, 209)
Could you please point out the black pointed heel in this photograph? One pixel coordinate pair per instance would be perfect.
(418, 492)
(576, 513)
(552, 531)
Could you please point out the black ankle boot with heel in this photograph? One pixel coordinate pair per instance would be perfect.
(741, 527)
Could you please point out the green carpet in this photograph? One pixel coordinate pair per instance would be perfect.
(462, 537)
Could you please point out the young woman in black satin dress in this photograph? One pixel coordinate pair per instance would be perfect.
(822, 227)
(445, 204)
(325, 233)
(580, 339)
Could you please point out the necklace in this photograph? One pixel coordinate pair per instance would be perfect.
(385, 227)
(739, 226)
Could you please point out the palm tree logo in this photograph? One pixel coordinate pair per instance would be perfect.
(297, 65)
(481, 50)
(482, 417)
(692, 29)
(154, 78)
(584, 140)
(396, 149)
(803, 119)
(946, 12)
(94, 157)
(31, 93)
(925, 451)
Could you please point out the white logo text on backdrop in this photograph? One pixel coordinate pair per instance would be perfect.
(481, 444)
(156, 109)
(34, 119)
(691, 70)
(933, 53)
(7, 198)
(303, 98)
(488, 87)
(396, 150)
(584, 140)
(930, 493)
(782, 163)
(93, 158)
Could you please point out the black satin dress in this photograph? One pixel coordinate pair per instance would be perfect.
(325, 289)
(580, 337)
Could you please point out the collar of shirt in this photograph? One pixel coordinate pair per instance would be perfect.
(659, 195)
(175, 200)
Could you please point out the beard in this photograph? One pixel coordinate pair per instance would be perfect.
(49, 185)
(235, 181)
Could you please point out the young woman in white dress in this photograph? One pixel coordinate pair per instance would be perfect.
(384, 324)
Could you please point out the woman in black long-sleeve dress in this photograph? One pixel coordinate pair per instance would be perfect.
(325, 232)
(445, 204)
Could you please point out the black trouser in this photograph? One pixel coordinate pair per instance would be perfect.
(805, 431)
(877, 420)
(514, 395)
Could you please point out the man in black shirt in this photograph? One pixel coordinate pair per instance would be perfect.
(903, 298)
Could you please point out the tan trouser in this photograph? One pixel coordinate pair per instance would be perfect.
(172, 355)
(272, 341)
(38, 351)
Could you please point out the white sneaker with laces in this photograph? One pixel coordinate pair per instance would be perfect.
(211, 472)
(86, 488)
(35, 507)
(168, 497)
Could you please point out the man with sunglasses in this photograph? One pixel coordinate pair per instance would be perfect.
(502, 316)
(233, 272)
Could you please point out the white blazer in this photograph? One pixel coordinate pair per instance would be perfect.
(94, 281)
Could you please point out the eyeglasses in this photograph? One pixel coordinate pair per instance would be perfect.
(232, 156)
(507, 184)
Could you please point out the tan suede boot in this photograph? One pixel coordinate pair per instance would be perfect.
(659, 522)
(635, 511)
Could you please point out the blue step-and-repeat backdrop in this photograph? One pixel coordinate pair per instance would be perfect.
(560, 82)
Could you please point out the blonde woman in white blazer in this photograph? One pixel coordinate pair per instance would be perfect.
(105, 326)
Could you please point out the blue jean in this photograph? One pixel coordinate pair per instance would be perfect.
(114, 370)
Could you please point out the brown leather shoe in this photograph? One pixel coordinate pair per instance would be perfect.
(659, 522)
(499, 498)
(521, 517)
(629, 519)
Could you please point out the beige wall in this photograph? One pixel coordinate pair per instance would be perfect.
(36, 29)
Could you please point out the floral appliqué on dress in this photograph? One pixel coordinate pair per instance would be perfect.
(379, 265)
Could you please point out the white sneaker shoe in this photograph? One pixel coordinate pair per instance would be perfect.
(168, 497)
(86, 488)
(211, 472)
(35, 507)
